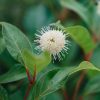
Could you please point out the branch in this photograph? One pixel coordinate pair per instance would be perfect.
(31, 82)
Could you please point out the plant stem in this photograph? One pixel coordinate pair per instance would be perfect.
(28, 91)
(87, 57)
(78, 85)
(31, 82)
(65, 94)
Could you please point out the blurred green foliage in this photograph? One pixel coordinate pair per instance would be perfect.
(30, 16)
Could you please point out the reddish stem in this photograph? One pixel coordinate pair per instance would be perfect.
(31, 81)
(28, 91)
(34, 76)
(28, 75)
(65, 94)
(78, 85)
(80, 98)
(87, 58)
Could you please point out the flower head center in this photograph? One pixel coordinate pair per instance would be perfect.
(52, 40)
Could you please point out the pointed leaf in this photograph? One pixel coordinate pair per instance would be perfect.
(82, 37)
(46, 87)
(77, 7)
(14, 74)
(15, 40)
(40, 61)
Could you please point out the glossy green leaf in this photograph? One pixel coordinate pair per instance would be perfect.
(47, 87)
(14, 74)
(66, 72)
(3, 94)
(78, 8)
(15, 40)
(18, 45)
(82, 37)
(40, 61)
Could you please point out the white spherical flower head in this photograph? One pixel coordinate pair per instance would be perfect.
(53, 40)
(98, 7)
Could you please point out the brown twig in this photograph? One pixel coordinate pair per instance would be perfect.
(28, 91)
(63, 15)
(31, 82)
(80, 98)
(66, 97)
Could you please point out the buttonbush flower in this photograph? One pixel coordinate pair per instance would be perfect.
(54, 40)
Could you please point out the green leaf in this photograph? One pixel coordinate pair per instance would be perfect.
(41, 82)
(46, 87)
(77, 7)
(93, 86)
(3, 94)
(15, 40)
(58, 79)
(20, 48)
(14, 74)
(82, 37)
(40, 61)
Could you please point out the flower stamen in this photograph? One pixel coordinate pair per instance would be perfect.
(53, 40)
